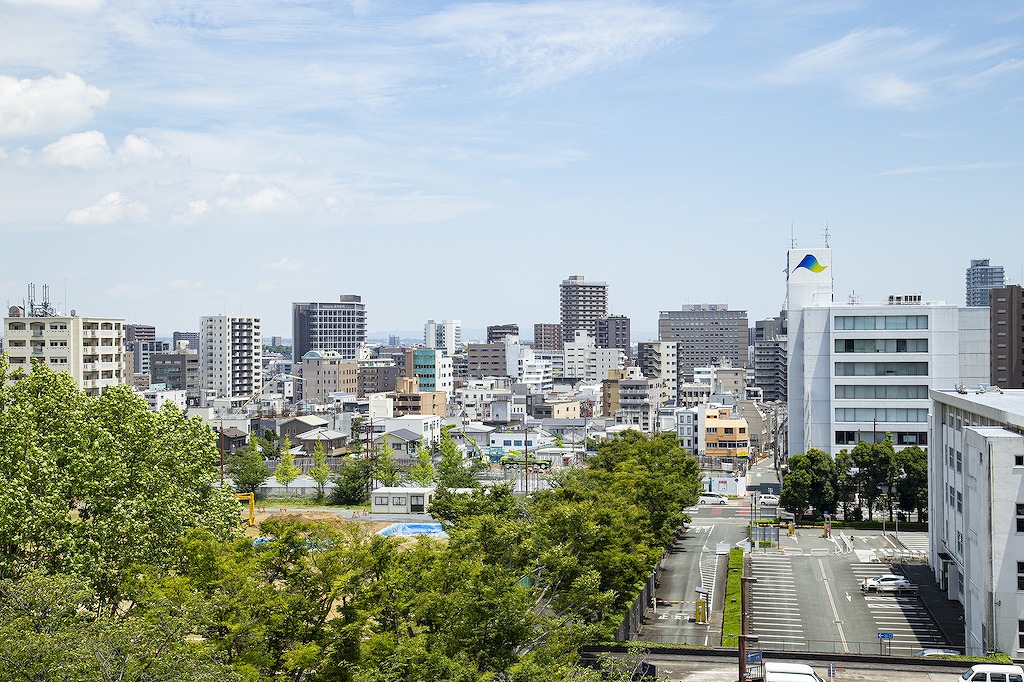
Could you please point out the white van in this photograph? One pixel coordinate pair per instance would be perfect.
(777, 671)
(993, 672)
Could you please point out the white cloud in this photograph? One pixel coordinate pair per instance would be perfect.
(47, 104)
(947, 168)
(262, 200)
(136, 148)
(113, 208)
(79, 150)
(545, 43)
(185, 284)
(889, 91)
(286, 266)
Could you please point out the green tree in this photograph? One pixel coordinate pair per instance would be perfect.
(247, 468)
(269, 444)
(451, 469)
(912, 484)
(845, 481)
(357, 435)
(422, 472)
(97, 485)
(384, 468)
(286, 471)
(320, 473)
(351, 481)
(811, 478)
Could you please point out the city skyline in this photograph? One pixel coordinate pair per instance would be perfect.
(164, 163)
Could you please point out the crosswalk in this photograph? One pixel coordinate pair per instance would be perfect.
(909, 623)
(774, 604)
(916, 542)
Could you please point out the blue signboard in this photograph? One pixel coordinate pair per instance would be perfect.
(754, 657)
(884, 635)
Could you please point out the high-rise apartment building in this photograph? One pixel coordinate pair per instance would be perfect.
(445, 335)
(232, 355)
(136, 333)
(705, 334)
(497, 332)
(191, 338)
(547, 337)
(1006, 318)
(582, 304)
(337, 326)
(143, 350)
(981, 277)
(90, 349)
(613, 332)
(657, 359)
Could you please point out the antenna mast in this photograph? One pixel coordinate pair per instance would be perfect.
(826, 235)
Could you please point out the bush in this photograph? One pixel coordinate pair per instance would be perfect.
(732, 614)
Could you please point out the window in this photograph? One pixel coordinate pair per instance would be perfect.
(959, 503)
(398, 501)
(960, 545)
(952, 501)
(1020, 636)
(1020, 577)
(959, 462)
(1020, 518)
(380, 501)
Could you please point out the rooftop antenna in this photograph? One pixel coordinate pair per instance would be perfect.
(792, 237)
(826, 235)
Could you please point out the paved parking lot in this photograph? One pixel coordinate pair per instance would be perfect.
(809, 598)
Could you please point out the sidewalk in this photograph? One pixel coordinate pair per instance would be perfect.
(948, 614)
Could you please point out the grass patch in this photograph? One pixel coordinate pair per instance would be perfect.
(732, 612)
(306, 503)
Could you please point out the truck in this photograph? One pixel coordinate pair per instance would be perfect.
(517, 460)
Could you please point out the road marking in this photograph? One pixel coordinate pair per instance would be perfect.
(835, 611)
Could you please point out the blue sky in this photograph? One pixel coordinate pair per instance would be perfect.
(162, 161)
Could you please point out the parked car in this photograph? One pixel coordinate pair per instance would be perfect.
(993, 672)
(939, 652)
(886, 583)
(712, 498)
(778, 671)
(768, 500)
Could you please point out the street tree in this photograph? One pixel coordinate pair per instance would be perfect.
(912, 482)
(286, 471)
(384, 467)
(247, 468)
(422, 472)
(351, 481)
(320, 472)
(452, 471)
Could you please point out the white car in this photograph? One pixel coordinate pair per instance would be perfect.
(886, 583)
(711, 498)
(768, 500)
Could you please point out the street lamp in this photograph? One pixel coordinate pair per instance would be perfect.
(744, 637)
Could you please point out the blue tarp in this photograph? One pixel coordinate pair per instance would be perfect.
(431, 529)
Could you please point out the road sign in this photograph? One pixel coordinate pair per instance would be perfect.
(884, 635)
(754, 657)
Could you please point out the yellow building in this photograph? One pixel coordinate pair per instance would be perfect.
(725, 435)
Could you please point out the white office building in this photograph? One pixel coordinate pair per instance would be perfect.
(231, 355)
(976, 512)
(861, 371)
(445, 335)
(584, 361)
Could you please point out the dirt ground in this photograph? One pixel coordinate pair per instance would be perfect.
(311, 516)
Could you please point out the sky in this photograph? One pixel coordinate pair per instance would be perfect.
(163, 161)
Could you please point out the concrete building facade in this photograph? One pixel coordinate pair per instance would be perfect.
(581, 304)
(976, 512)
(232, 355)
(1006, 319)
(705, 334)
(325, 372)
(547, 337)
(339, 326)
(982, 277)
(614, 332)
(90, 349)
(444, 335)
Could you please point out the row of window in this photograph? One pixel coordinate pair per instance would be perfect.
(881, 414)
(881, 322)
(881, 345)
(878, 369)
(899, 438)
(881, 392)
